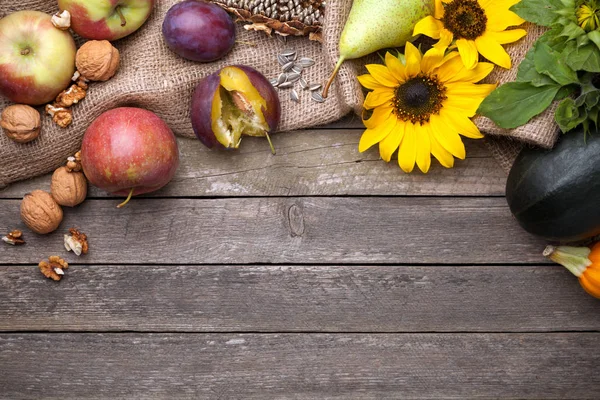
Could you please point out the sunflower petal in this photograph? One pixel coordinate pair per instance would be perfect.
(509, 36)
(428, 26)
(376, 134)
(407, 154)
(476, 74)
(481, 90)
(382, 75)
(462, 124)
(462, 105)
(439, 9)
(390, 144)
(378, 97)
(413, 60)
(451, 66)
(432, 59)
(380, 114)
(397, 69)
(493, 51)
(441, 154)
(468, 52)
(369, 82)
(447, 136)
(424, 148)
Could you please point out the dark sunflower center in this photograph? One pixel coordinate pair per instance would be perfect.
(465, 19)
(419, 98)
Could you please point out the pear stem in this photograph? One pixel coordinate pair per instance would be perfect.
(270, 143)
(120, 14)
(123, 204)
(333, 75)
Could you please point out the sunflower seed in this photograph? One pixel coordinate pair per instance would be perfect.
(306, 62)
(297, 68)
(292, 58)
(314, 86)
(288, 67)
(293, 77)
(288, 53)
(294, 96)
(316, 96)
(286, 85)
(303, 83)
(282, 60)
(274, 82)
(281, 78)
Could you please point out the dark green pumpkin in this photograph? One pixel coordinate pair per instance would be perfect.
(556, 194)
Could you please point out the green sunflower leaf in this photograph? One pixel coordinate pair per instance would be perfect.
(584, 58)
(528, 73)
(541, 12)
(568, 115)
(515, 103)
(549, 62)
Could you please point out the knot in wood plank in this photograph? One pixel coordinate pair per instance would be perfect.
(296, 220)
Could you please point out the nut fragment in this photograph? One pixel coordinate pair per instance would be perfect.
(76, 242)
(40, 212)
(63, 117)
(14, 238)
(21, 123)
(69, 188)
(70, 96)
(97, 60)
(74, 163)
(62, 20)
(54, 268)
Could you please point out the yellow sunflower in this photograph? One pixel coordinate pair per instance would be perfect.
(588, 16)
(421, 106)
(478, 26)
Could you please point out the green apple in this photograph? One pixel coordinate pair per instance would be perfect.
(107, 19)
(37, 60)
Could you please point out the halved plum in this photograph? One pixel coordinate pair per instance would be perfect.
(236, 100)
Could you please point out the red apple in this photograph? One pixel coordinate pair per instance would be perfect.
(129, 151)
(37, 60)
(107, 19)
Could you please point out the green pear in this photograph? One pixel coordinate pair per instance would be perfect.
(378, 24)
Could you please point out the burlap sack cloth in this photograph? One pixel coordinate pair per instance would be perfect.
(153, 77)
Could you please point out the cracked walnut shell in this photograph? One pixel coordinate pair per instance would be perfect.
(21, 123)
(40, 212)
(68, 188)
(97, 60)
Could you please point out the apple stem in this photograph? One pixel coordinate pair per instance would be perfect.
(123, 20)
(123, 204)
(333, 75)
(26, 51)
(270, 143)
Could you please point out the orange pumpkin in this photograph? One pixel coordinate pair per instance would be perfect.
(583, 262)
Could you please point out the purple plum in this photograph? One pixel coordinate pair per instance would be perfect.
(198, 31)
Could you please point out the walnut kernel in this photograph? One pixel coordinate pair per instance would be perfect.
(40, 212)
(21, 123)
(63, 117)
(68, 188)
(14, 238)
(76, 242)
(74, 163)
(70, 96)
(62, 20)
(54, 268)
(97, 60)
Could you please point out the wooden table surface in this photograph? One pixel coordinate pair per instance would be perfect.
(316, 273)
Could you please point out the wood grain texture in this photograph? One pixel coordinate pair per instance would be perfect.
(296, 299)
(299, 366)
(372, 230)
(312, 162)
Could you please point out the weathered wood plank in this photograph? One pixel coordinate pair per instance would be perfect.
(354, 230)
(312, 162)
(299, 366)
(298, 298)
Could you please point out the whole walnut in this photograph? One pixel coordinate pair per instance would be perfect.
(21, 123)
(97, 60)
(40, 212)
(68, 188)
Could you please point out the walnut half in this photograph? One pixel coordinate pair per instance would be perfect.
(14, 238)
(54, 268)
(76, 242)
